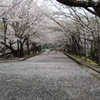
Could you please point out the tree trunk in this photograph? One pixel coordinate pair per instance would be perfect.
(21, 51)
(39, 48)
(17, 45)
(28, 50)
(70, 49)
(92, 49)
(5, 30)
(85, 47)
(34, 47)
(15, 52)
(98, 50)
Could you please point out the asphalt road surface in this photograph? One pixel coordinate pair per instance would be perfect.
(49, 76)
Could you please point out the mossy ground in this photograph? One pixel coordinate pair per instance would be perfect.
(87, 60)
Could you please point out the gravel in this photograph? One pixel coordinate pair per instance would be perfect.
(49, 76)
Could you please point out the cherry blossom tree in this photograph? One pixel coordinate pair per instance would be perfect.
(83, 36)
(25, 22)
(5, 7)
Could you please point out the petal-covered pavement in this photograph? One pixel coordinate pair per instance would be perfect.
(49, 76)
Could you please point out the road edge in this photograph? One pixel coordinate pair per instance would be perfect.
(22, 59)
(79, 62)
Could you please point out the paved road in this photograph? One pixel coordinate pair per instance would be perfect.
(49, 76)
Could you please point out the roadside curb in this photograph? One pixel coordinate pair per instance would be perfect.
(79, 62)
(29, 56)
(22, 59)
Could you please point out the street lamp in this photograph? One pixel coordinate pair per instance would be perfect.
(5, 30)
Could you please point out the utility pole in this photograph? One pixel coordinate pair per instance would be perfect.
(5, 30)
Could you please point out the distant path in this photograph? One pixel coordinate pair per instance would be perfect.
(49, 76)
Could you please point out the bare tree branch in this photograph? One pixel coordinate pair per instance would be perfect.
(85, 4)
(77, 3)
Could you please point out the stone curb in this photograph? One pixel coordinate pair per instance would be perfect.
(22, 59)
(79, 62)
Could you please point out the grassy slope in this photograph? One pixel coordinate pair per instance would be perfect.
(88, 60)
